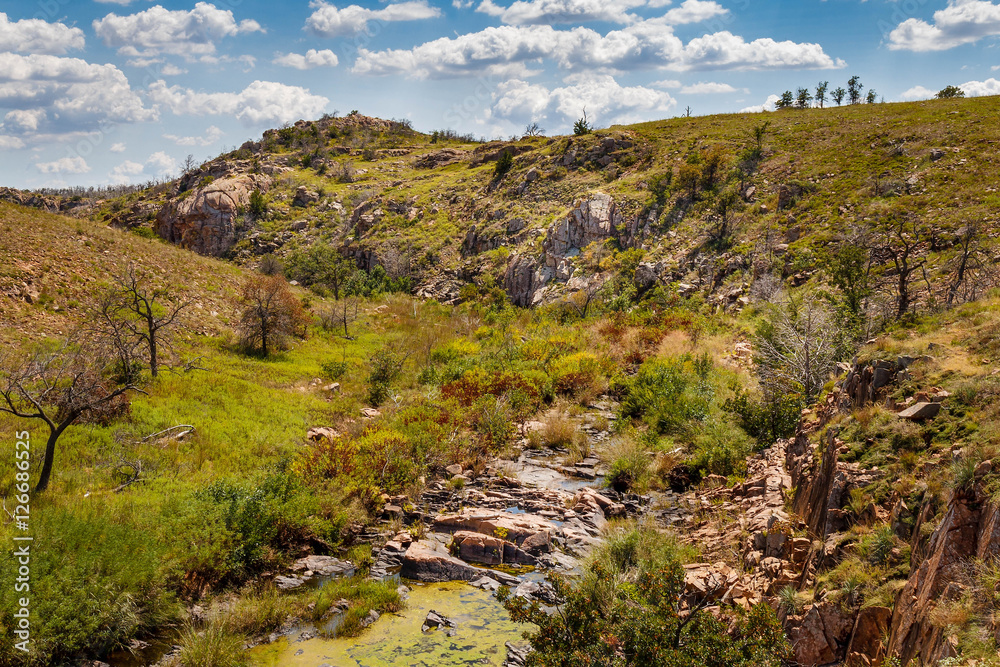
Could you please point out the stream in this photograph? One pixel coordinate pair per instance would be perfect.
(483, 627)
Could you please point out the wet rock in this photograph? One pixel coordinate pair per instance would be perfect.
(534, 590)
(517, 656)
(288, 583)
(435, 620)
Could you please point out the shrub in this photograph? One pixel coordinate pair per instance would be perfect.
(632, 609)
(334, 369)
(215, 646)
(665, 395)
(385, 367)
(258, 205)
(628, 464)
(503, 164)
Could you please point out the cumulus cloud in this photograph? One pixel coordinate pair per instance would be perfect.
(770, 104)
(212, 134)
(155, 31)
(311, 59)
(645, 45)
(157, 165)
(605, 99)
(330, 21)
(961, 22)
(38, 36)
(970, 88)
(708, 88)
(545, 12)
(10, 143)
(56, 95)
(117, 148)
(260, 103)
(66, 165)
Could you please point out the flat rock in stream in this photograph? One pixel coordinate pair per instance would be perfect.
(531, 533)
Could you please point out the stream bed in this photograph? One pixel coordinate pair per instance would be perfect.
(483, 627)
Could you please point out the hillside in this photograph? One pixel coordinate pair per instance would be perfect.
(433, 206)
(757, 388)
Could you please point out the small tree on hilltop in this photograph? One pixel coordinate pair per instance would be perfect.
(950, 92)
(582, 126)
(872, 97)
(838, 95)
(802, 98)
(60, 386)
(785, 101)
(821, 89)
(854, 88)
(268, 313)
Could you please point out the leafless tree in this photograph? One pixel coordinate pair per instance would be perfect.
(60, 386)
(133, 314)
(798, 345)
(969, 270)
(901, 241)
(533, 130)
(268, 313)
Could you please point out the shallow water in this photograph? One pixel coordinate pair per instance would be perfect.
(396, 639)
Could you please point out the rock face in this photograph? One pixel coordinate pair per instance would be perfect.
(970, 529)
(866, 641)
(425, 561)
(594, 219)
(820, 635)
(489, 550)
(205, 220)
(524, 280)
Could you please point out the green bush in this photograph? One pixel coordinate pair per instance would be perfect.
(334, 369)
(384, 368)
(667, 395)
(96, 583)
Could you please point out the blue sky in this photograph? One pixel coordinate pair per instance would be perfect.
(118, 91)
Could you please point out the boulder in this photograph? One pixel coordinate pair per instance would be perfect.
(425, 561)
(204, 220)
(532, 533)
(440, 158)
(435, 620)
(323, 566)
(920, 411)
(489, 550)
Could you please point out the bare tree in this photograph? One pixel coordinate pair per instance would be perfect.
(533, 130)
(968, 261)
(132, 310)
(797, 346)
(902, 239)
(60, 386)
(268, 313)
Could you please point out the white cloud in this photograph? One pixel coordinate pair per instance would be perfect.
(647, 44)
(708, 88)
(172, 70)
(157, 165)
(330, 21)
(981, 88)
(260, 103)
(667, 83)
(117, 148)
(961, 22)
(124, 172)
(545, 12)
(66, 165)
(605, 100)
(917, 93)
(769, 105)
(212, 134)
(10, 143)
(970, 88)
(38, 36)
(311, 59)
(694, 11)
(56, 95)
(155, 31)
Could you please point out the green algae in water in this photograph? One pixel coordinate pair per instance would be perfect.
(396, 639)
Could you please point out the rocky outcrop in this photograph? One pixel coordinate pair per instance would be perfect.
(524, 280)
(594, 219)
(969, 530)
(820, 635)
(866, 646)
(441, 158)
(531, 533)
(205, 219)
